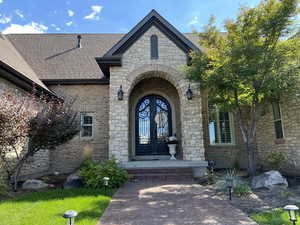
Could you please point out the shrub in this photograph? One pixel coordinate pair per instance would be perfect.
(93, 173)
(276, 160)
(242, 190)
(3, 186)
(222, 184)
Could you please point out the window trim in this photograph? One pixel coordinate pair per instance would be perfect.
(276, 120)
(232, 130)
(82, 114)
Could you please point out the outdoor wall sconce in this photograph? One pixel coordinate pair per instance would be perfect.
(189, 93)
(292, 213)
(105, 182)
(120, 93)
(70, 215)
(229, 182)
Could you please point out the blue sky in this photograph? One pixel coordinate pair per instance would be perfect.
(109, 16)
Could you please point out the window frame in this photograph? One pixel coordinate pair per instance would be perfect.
(277, 120)
(231, 126)
(82, 125)
(154, 54)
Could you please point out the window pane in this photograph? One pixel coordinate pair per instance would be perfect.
(212, 128)
(225, 131)
(87, 119)
(154, 47)
(87, 131)
(276, 111)
(278, 129)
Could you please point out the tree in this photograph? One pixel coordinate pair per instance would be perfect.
(43, 122)
(254, 63)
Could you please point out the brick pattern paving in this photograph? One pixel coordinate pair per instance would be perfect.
(166, 203)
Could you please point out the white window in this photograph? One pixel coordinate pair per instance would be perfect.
(86, 129)
(220, 127)
(277, 120)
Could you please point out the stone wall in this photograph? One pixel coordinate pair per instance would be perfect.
(137, 65)
(290, 144)
(39, 164)
(91, 99)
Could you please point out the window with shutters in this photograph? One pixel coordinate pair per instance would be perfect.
(277, 120)
(154, 47)
(220, 127)
(86, 129)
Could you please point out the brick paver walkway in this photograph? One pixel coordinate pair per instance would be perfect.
(149, 203)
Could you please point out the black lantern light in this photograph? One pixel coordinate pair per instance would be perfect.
(120, 93)
(292, 209)
(229, 183)
(70, 216)
(189, 93)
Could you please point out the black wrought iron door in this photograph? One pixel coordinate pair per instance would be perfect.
(153, 119)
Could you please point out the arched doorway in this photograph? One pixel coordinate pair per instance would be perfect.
(153, 121)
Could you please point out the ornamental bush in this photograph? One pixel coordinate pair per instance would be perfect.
(93, 173)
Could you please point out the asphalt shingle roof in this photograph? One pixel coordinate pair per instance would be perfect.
(56, 56)
(12, 58)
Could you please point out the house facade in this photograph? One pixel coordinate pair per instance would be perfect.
(132, 95)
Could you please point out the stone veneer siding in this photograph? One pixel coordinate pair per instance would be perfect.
(290, 144)
(91, 99)
(138, 65)
(38, 164)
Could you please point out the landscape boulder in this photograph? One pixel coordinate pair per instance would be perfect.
(73, 181)
(33, 184)
(269, 180)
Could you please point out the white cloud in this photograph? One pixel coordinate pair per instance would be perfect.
(18, 13)
(194, 21)
(1, 1)
(70, 13)
(69, 23)
(4, 19)
(30, 28)
(55, 27)
(94, 15)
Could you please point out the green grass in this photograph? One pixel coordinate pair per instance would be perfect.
(274, 217)
(47, 208)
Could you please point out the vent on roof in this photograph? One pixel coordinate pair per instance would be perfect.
(78, 41)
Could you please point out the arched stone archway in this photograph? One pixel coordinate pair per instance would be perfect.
(190, 111)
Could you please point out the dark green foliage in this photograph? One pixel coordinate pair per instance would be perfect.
(242, 190)
(276, 160)
(93, 173)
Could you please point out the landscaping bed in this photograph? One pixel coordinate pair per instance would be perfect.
(47, 207)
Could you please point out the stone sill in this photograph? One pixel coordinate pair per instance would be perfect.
(279, 141)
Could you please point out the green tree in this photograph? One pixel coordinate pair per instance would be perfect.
(255, 62)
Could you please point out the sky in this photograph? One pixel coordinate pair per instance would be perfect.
(110, 16)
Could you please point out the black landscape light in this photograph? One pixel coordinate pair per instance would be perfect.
(70, 215)
(292, 209)
(229, 183)
(105, 182)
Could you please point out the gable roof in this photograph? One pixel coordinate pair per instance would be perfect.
(15, 69)
(152, 19)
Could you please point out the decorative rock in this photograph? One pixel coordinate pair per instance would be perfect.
(73, 181)
(33, 184)
(269, 180)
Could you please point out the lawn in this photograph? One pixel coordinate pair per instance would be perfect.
(274, 217)
(47, 208)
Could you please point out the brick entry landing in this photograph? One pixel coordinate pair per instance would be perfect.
(161, 203)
